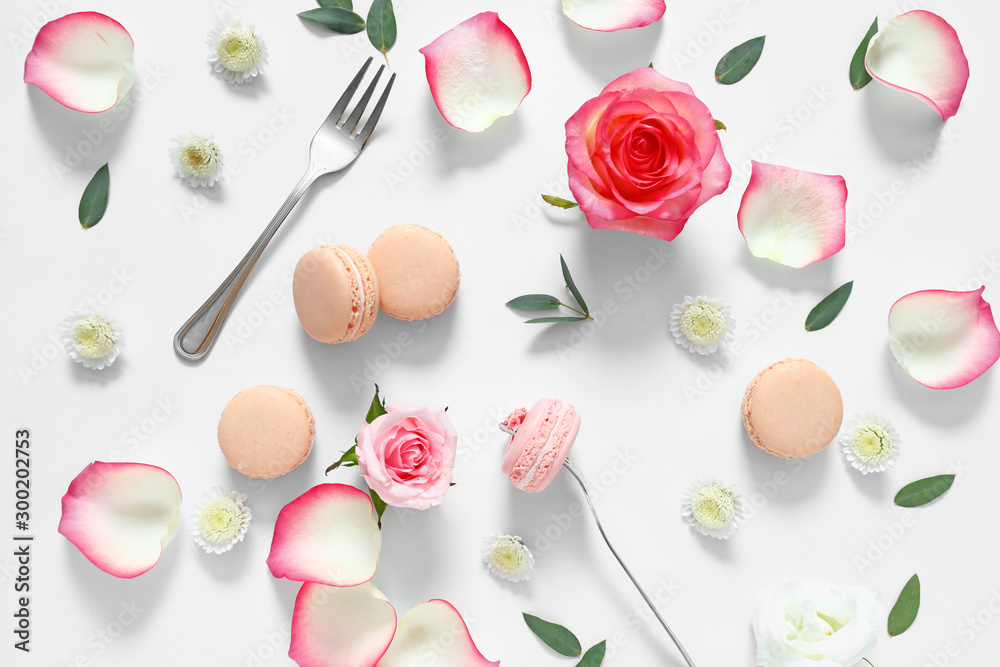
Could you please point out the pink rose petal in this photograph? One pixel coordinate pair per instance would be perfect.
(121, 515)
(341, 627)
(611, 15)
(433, 634)
(328, 535)
(944, 339)
(793, 217)
(919, 53)
(477, 72)
(83, 61)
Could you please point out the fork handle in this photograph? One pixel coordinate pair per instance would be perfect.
(195, 339)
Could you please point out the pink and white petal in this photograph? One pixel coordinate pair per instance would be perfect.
(919, 53)
(793, 217)
(341, 627)
(944, 339)
(83, 61)
(121, 515)
(477, 72)
(611, 15)
(328, 535)
(433, 634)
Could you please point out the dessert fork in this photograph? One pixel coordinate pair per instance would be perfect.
(336, 144)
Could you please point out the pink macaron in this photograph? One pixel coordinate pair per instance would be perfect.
(542, 439)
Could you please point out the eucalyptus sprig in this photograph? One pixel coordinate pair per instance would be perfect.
(564, 642)
(339, 16)
(94, 201)
(549, 302)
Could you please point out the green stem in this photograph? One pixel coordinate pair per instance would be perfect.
(868, 661)
(578, 312)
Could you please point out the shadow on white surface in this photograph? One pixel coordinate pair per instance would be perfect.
(463, 149)
(781, 480)
(79, 138)
(380, 349)
(817, 277)
(945, 407)
(901, 125)
(873, 485)
(601, 54)
(85, 375)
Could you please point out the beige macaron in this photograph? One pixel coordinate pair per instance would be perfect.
(417, 270)
(792, 409)
(336, 293)
(266, 431)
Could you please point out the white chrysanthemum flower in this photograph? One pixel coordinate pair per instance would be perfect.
(92, 340)
(508, 557)
(871, 443)
(701, 323)
(197, 159)
(236, 52)
(712, 508)
(220, 519)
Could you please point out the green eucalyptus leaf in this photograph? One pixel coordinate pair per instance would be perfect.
(739, 61)
(924, 491)
(94, 202)
(382, 25)
(559, 201)
(548, 320)
(379, 504)
(572, 286)
(719, 125)
(336, 4)
(534, 302)
(904, 612)
(594, 656)
(343, 21)
(377, 408)
(859, 73)
(555, 636)
(827, 310)
(348, 460)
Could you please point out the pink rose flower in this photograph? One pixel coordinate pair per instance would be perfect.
(408, 455)
(644, 155)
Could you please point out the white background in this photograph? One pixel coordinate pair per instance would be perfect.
(631, 383)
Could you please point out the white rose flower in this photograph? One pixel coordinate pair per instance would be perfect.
(816, 624)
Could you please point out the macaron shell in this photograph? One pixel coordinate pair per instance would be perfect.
(335, 293)
(792, 409)
(549, 470)
(266, 431)
(417, 270)
(537, 451)
(520, 440)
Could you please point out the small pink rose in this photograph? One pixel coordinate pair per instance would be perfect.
(408, 455)
(644, 155)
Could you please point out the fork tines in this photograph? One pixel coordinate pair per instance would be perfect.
(351, 124)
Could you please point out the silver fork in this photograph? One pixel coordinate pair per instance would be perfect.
(336, 144)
